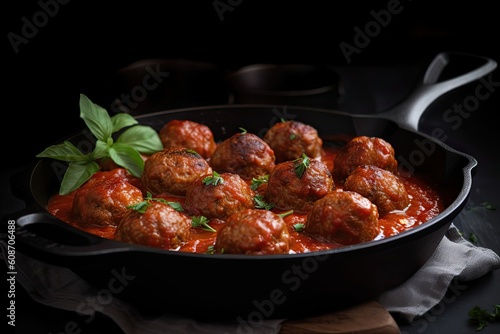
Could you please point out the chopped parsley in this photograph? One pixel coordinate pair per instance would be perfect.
(193, 152)
(301, 164)
(481, 206)
(472, 238)
(144, 205)
(210, 250)
(202, 222)
(260, 203)
(213, 180)
(481, 317)
(286, 213)
(298, 227)
(257, 182)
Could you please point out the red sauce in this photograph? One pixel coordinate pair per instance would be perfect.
(426, 203)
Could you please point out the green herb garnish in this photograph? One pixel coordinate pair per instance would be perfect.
(202, 222)
(193, 152)
(286, 213)
(472, 238)
(144, 205)
(210, 250)
(257, 182)
(140, 207)
(213, 180)
(243, 131)
(488, 206)
(301, 164)
(482, 317)
(298, 227)
(175, 205)
(483, 205)
(261, 204)
(124, 151)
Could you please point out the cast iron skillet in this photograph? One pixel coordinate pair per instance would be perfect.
(251, 288)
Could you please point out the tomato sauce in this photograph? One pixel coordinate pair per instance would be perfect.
(425, 203)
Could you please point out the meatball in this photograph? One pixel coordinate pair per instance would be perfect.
(381, 187)
(244, 154)
(291, 139)
(104, 202)
(253, 232)
(288, 190)
(172, 170)
(159, 226)
(189, 134)
(363, 150)
(123, 173)
(343, 217)
(218, 196)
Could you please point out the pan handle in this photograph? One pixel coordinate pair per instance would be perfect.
(46, 238)
(407, 114)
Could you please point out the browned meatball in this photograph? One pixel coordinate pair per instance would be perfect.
(363, 150)
(253, 232)
(172, 170)
(104, 203)
(189, 134)
(219, 197)
(344, 217)
(159, 226)
(381, 187)
(289, 191)
(244, 154)
(291, 139)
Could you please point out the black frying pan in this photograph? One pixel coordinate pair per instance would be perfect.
(252, 288)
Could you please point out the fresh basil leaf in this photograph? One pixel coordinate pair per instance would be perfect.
(76, 174)
(100, 150)
(143, 138)
(96, 118)
(121, 121)
(65, 151)
(127, 157)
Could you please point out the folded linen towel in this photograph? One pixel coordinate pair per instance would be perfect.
(454, 258)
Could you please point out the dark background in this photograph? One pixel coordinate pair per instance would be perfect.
(81, 47)
(83, 44)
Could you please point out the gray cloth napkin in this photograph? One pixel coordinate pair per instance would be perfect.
(454, 258)
(59, 287)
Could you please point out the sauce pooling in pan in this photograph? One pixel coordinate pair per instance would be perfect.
(343, 196)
